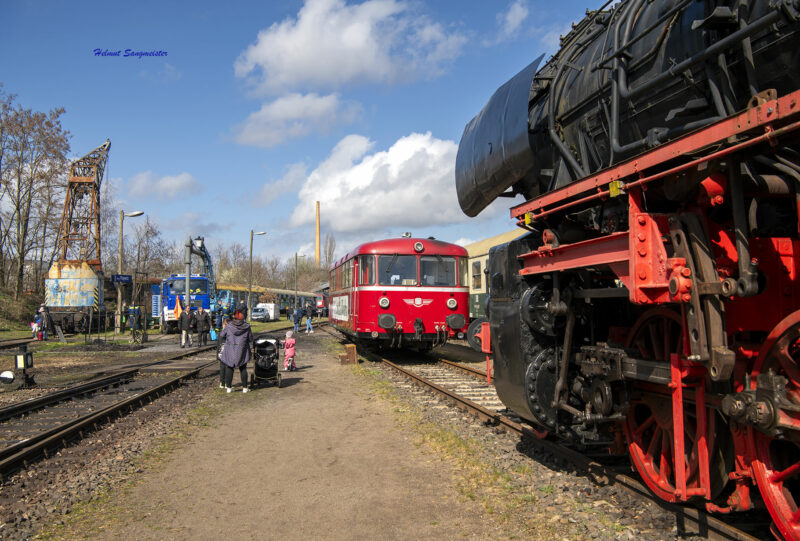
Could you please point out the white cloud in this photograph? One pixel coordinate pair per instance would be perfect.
(292, 116)
(294, 178)
(167, 74)
(463, 241)
(331, 43)
(550, 37)
(148, 184)
(410, 185)
(511, 20)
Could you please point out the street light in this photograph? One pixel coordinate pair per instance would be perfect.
(250, 283)
(118, 318)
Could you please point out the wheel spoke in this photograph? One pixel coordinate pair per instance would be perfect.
(781, 476)
(644, 426)
(663, 466)
(655, 341)
(641, 345)
(655, 443)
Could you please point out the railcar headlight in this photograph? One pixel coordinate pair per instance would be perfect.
(383, 302)
(418, 247)
(452, 303)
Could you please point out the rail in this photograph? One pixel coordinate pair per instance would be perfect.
(19, 454)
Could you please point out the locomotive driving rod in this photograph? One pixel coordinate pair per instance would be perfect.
(562, 369)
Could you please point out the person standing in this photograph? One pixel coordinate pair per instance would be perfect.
(289, 352)
(185, 324)
(297, 315)
(203, 326)
(309, 315)
(218, 318)
(237, 337)
(45, 314)
(242, 307)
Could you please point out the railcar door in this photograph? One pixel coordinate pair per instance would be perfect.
(352, 270)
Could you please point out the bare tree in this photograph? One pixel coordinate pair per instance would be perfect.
(151, 251)
(6, 113)
(109, 225)
(329, 249)
(37, 149)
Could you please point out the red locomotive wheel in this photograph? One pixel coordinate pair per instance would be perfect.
(777, 463)
(648, 427)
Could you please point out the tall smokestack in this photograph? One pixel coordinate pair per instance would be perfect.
(316, 257)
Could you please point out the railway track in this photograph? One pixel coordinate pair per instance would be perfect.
(466, 388)
(34, 428)
(15, 342)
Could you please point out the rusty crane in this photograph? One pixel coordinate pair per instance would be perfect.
(74, 287)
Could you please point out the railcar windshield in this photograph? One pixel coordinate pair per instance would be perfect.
(397, 270)
(436, 270)
(197, 286)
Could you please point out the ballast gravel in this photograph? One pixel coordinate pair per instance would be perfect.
(567, 503)
(50, 489)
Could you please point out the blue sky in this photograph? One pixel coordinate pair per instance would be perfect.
(260, 108)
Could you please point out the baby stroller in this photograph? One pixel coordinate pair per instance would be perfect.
(265, 355)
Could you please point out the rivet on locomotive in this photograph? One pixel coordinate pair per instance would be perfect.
(654, 308)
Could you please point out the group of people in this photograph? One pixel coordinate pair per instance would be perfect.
(238, 338)
(197, 320)
(297, 318)
(39, 324)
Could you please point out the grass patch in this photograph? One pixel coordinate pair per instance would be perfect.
(16, 315)
(267, 326)
(507, 495)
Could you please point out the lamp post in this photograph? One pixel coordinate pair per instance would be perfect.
(250, 282)
(122, 215)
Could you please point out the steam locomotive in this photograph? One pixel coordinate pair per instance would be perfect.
(654, 307)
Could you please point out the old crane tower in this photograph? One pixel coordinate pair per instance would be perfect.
(74, 288)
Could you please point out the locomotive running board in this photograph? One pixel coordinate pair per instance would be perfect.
(775, 118)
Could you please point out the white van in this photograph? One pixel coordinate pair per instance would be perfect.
(265, 311)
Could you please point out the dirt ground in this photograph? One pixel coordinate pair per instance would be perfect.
(315, 459)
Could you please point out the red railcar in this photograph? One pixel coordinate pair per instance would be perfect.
(404, 292)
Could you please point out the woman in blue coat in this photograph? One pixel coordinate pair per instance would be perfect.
(238, 337)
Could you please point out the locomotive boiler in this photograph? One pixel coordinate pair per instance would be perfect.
(654, 307)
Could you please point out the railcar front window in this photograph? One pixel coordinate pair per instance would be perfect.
(397, 270)
(197, 286)
(437, 270)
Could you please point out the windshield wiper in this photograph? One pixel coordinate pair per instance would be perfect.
(389, 268)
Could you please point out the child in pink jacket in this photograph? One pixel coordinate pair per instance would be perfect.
(288, 356)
